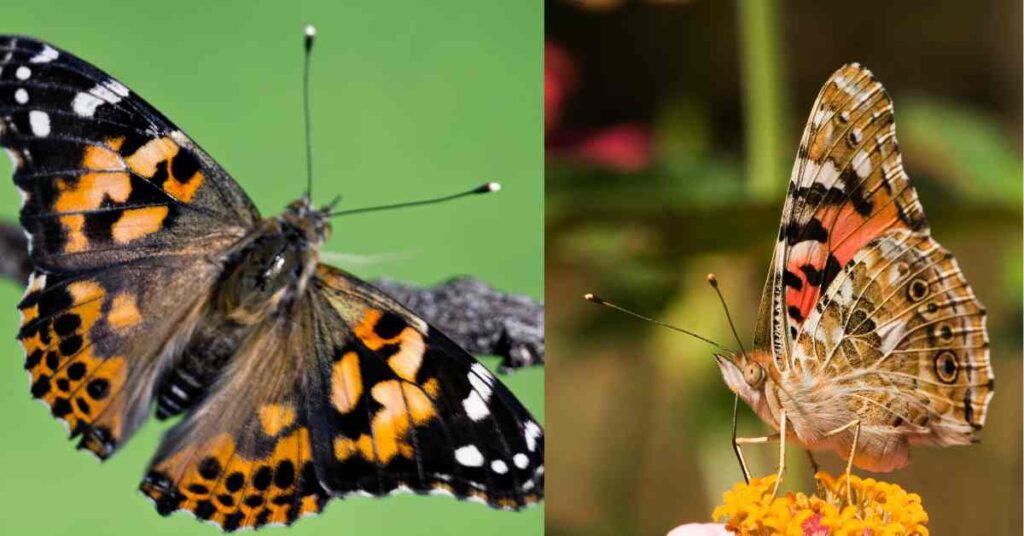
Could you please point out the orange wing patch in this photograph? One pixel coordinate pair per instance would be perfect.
(347, 382)
(378, 329)
(91, 189)
(163, 161)
(404, 406)
(276, 417)
(138, 222)
(78, 385)
(218, 483)
(124, 312)
(108, 181)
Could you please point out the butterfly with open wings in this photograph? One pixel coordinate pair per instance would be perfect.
(156, 282)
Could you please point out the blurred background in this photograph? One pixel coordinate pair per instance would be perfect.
(671, 128)
(409, 101)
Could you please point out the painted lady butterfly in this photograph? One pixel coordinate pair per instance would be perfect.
(157, 282)
(869, 338)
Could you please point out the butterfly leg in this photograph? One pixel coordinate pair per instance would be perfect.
(855, 424)
(782, 453)
(781, 436)
(735, 445)
(749, 441)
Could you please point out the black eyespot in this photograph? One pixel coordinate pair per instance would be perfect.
(945, 332)
(917, 290)
(946, 367)
(854, 137)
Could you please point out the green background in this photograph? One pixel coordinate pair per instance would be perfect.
(409, 101)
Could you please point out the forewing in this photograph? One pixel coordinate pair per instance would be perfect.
(901, 338)
(126, 219)
(848, 187)
(397, 406)
(105, 177)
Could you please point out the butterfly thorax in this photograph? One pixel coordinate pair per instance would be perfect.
(812, 404)
(262, 276)
(273, 264)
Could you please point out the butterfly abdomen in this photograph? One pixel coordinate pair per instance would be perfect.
(212, 345)
(260, 277)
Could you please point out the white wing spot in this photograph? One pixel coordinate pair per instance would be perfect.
(482, 372)
(117, 87)
(521, 460)
(531, 432)
(861, 164)
(469, 456)
(23, 73)
(475, 403)
(476, 406)
(85, 104)
(40, 123)
(499, 467)
(829, 174)
(21, 95)
(46, 55)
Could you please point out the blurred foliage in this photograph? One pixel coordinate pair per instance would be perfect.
(639, 415)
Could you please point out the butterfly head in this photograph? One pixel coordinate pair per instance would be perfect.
(313, 223)
(747, 375)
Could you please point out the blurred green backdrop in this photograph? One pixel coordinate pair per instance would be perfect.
(671, 129)
(410, 100)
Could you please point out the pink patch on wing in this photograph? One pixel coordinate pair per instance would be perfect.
(848, 233)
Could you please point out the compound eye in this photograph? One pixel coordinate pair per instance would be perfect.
(754, 374)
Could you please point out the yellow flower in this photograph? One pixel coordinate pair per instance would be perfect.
(878, 508)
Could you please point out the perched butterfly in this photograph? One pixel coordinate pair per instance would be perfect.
(157, 283)
(868, 338)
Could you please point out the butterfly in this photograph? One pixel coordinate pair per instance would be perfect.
(157, 283)
(869, 338)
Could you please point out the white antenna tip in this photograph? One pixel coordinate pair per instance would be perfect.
(493, 186)
(310, 30)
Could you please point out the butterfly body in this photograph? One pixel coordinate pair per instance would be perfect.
(867, 327)
(156, 282)
(260, 275)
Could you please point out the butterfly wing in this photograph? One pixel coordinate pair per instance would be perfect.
(125, 216)
(901, 338)
(350, 394)
(398, 406)
(847, 188)
(864, 296)
(243, 457)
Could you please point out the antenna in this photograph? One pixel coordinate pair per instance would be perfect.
(310, 32)
(601, 301)
(713, 281)
(487, 188)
